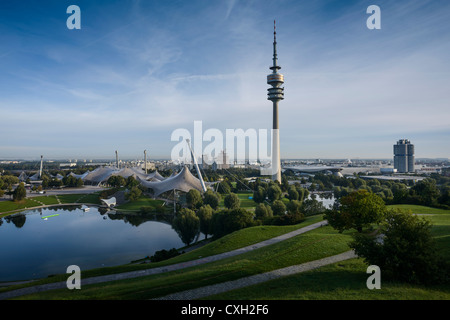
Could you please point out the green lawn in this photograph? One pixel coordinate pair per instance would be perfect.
(31, 202)
(141, 202)
(47, 200)
(6, 206)
(345, 280)
(316, 244)
(420, 209)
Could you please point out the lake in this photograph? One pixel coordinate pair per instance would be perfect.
(33, 247)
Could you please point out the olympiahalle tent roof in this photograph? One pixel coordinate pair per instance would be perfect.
(183, 181)
(102, 174)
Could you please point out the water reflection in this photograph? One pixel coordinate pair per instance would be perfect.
(89, 239)
(18, 220)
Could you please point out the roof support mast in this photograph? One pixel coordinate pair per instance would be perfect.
(196, 167)
(40, 169)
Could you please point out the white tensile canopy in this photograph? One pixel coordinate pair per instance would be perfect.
(111, 202)
(183, 181)
(102, 174)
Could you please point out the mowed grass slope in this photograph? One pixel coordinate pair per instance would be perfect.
(313, 245)
(346, 280)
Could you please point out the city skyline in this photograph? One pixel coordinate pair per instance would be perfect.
(136, 71)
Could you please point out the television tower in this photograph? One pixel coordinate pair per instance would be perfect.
(275, 94)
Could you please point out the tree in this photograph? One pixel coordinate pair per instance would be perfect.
(405, 249)
(224, 187)
(294, 206)
(312, 206)
(194, 199)
(427, 192)
(274, 192)
(232, 201)
(20, 193)
(357, 210)
(116, 181)
(133, 194)
(205, 214)
(293, 193)
(259, 195)
(187, 225)
(131, 182)
(211, 198)
(227, 221)
(263, 211)
(278, 207)
(284, 183)
(80, 183)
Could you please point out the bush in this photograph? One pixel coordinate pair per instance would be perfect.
(285, 219)
(164, 255)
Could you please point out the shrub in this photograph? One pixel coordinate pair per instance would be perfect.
(285, 219)
(164, 255)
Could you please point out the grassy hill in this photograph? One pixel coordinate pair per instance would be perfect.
(343, 280)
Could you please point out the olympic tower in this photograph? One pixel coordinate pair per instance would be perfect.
(275, 94)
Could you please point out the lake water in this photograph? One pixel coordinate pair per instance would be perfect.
(32, 247)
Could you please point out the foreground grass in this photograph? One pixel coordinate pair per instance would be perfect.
(316, 244)
(345, 280)
(141, 202)
(416, 209)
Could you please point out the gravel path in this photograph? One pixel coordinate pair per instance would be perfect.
(141, 273)
(256, 279)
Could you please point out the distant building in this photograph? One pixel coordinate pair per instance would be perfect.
(223, 161)
(404, 156)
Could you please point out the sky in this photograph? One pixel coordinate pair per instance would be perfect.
(139, 69)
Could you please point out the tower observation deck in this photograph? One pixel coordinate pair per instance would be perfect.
(275, 94)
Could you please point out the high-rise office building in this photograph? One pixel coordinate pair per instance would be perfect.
(404, 156)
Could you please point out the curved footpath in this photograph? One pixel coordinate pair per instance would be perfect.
(201, 292)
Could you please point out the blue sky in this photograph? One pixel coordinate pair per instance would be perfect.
(138, 70)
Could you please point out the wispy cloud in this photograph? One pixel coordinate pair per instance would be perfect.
(142, 69)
